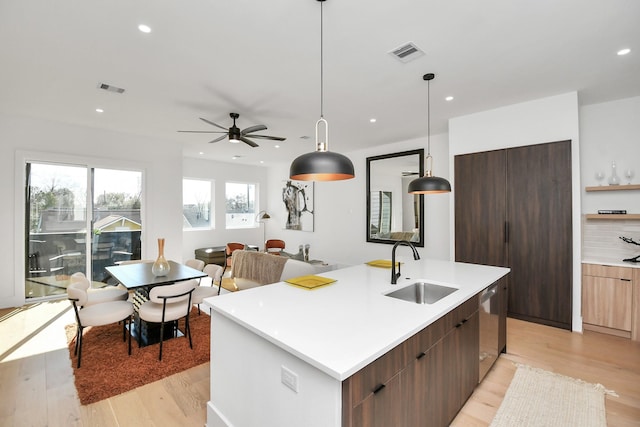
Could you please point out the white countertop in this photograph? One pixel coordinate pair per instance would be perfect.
(344, 326)
(611, 261)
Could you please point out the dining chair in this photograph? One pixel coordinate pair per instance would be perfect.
(98, 295)
(98, 314)
(274, 246)
(201, 292)
(195, 263)
(168, 303)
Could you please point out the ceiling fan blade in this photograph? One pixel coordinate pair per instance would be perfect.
(255, 128)
(213, 124)
(220, 138)
(201, 131)
(248, 141)
(274, 138)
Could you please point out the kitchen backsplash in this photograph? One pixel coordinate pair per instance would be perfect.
(601, 238)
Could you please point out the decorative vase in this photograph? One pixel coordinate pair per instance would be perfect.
(614, 180)
(160, 267)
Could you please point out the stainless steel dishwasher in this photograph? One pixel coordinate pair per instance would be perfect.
(489, 314)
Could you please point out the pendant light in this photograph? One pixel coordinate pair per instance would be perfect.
(321, 165)
(429, 184)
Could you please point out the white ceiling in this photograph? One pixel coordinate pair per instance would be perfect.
(261, 59)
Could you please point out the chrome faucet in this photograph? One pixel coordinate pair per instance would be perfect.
(416, 256)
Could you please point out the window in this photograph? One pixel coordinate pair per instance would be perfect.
(241, 205)
(196, 204)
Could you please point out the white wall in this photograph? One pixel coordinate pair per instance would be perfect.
(534, 122)
(610, 132)
(28, 138)
(340, 211)
(221, 172)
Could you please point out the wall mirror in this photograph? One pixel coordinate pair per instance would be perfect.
(392, 213)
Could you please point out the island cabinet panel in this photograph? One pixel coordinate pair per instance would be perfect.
(607, 299)
(424, 381)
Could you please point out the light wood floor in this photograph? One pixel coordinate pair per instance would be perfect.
(36, 378)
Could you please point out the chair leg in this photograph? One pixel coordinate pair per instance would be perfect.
(161, 339)
(187, 328)
(198, 309)
(139, 331)
(129, 323)
(78, 329)
(79, 345)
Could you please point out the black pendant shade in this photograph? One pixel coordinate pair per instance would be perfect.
(321, 165)
(429, 184)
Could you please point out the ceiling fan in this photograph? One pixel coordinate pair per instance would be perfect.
(235, 134)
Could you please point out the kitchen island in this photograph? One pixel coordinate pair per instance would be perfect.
(285, 356)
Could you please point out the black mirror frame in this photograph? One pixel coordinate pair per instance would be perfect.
(420, 153)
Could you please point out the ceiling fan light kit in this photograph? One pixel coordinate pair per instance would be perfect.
(321, 165)
(429, 184)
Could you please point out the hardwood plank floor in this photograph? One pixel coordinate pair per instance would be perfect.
(37, 389)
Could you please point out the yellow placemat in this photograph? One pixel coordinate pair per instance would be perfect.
(382, 263)
(310, 281)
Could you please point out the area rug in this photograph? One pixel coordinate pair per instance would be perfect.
(107, 370)
(538, 398)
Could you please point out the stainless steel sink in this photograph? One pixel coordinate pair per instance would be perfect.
(422, 293)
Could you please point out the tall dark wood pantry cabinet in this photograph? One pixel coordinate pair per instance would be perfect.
(513, 209)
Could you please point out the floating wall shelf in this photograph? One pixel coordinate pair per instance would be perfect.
(614, 187)
(613, 216)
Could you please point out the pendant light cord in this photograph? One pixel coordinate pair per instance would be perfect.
(321, 61)
(428, 117)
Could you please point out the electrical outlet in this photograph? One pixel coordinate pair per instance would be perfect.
(289, 378)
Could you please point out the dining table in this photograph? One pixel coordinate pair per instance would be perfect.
(139, 278)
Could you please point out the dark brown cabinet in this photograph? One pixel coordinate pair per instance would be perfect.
(513, 209)
(423, 381)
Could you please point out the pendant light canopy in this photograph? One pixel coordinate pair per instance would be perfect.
(429, 184)
(321, 165)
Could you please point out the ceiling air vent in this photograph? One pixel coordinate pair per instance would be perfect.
(407, 52)
(110, 88)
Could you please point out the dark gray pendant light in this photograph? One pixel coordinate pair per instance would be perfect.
(429, 184)
(321, 165)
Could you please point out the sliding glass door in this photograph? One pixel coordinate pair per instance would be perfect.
(78, 219)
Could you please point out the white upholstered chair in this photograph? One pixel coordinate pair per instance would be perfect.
(96, 314)
(98, 295)
(214, 271)
(169, 303)
(198, 264)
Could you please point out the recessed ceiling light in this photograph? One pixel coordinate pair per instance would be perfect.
(201, 153)
(144, 28)
(449, 98)
(372, 120)
(261, 161)
(623, 51)
(99, 110)
(235, 157)
(277, 146)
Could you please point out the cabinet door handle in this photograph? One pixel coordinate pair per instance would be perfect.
(421, 355)
(459, 324)
(626, 280)
(378, 388)
(506, 231)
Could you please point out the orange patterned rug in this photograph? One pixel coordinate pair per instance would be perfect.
(107, 370)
